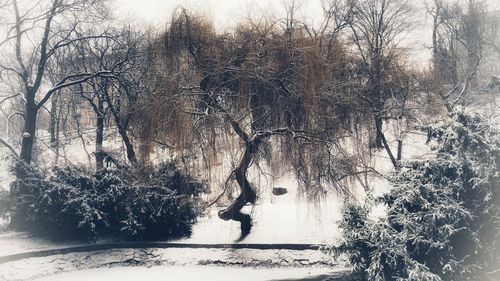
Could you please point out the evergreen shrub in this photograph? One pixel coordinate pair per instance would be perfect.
(443, 213)
(72, 203)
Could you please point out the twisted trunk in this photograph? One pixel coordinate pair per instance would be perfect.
(247, 195)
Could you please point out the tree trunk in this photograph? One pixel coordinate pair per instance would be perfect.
(379, 133)
(400, 150)
(29, 130)
(57, 134)
(128, 145)
(99, 156)
(53, 120)
(387, 148)
(247, 195)
(378, 103)
(122, 128)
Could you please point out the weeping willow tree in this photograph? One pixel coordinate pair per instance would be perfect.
(270, 85)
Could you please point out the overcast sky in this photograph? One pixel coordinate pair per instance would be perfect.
(224, 12)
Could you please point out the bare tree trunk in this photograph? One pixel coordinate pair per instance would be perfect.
(29, 129)
(378, 102)
(388, 149)
(57, 133)
(122, 129)
(99, 157)
(128, 145)
(379, 132)
(400, 150)
(247, 195)
(126, 140)
(53, 120)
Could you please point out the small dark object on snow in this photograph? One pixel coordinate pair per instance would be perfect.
(279, 191)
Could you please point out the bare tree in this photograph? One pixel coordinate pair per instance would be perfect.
(337, 16)
(265, 80)
(125, 50)
(457, 39)
(377, 30)
(36, 35)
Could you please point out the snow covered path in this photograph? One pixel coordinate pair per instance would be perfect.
(155, 263)
(200, 273)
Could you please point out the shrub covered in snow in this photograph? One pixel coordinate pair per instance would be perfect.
(443, 219)
(72, 203)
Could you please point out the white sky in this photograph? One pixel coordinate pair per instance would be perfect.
(225, 12)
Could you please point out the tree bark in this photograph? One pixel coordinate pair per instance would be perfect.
(378, 102)
(29, 129)
(53, 120)
(379, 133)
(128, 145)
(99, 139)
(247, 195)
(400, 150)
(388, 149)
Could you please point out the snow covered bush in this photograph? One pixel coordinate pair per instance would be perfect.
(72, 203)
(443, 213)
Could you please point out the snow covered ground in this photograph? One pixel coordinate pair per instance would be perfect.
(196, 273)
(176, 264)
(277, 219)
(288, 218)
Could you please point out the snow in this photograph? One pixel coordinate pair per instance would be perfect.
(281, 221)
(6, 177)
(76, 150)
(15, 242)
(288, 218)
(110, 264)
(192, 273)
(277, 219)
